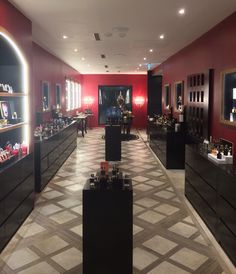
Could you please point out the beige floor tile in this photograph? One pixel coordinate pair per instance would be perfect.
(75, 187)
(165, 194)
(142, 187)
(64, 183)
(20, 258)
(155, 183)
(51, 244)
(160, 244)
(78, 209)
(78, 230)
(183, 229)
(167, 268)
(189, 258)
(142, 258)
(63, 217)
(151, 216)
(49, 209)
(30, 230)
(140, 179)
(166, 209)
(52, 194)
(68, 259)
(137, 209)
(147, 202)
(137, 229)
(69, 202)
(41, 268)
(200, 240)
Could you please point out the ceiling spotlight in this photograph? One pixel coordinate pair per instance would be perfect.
(64, 36)
(140, 65)
(144, 58)
(181, 11)
(88, 65)
(75, 50)
(151, 50)
(162, 36)
(82, 58)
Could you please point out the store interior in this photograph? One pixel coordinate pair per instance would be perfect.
(165, 125)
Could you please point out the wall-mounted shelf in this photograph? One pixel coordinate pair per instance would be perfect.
(16, 94)
(11, 127)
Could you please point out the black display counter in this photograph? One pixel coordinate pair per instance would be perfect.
(51, 153)
(211, 188)
(16, 196)
(168, 145)
(107, 231)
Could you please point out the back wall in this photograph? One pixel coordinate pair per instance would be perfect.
(139, 88)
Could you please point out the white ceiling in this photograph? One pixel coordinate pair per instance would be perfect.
(128, 29)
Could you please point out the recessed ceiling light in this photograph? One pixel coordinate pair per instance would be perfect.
(140, 65)
(64, 36)
(151, 50)
(144, 58)
(82, 58)
(162, 36)
(75, 50)
(88, 65)
(181, 11)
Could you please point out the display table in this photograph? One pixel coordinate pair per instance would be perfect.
(107, 231)
(51, 153)
(211, 189)
(168, 145)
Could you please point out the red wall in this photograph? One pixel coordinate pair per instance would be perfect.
(215, 49)
(47, 67)
(139, 88)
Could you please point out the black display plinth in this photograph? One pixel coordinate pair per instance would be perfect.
(113, 142)
(107, 231)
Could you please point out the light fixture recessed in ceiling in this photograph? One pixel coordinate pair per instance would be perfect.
(181, 11)
(140, 65)
(151, 50)
(75, 50)
(162, 36)
(144, 58)
(64, 36)
(83, 59)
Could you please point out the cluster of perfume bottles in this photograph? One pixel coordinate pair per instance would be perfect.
(165, 120)
(9, 151)
(6, 88)
(104, 181)
(49, 128)
(216, 148)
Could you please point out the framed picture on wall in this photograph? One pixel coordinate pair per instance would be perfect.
(58, 96)
(179, 95)
(167, 101)
(45, 96)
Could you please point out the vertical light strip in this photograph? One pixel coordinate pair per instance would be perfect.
(25, 86)
(79, 105)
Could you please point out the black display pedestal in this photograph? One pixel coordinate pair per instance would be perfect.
(113, 142)
(107, 231)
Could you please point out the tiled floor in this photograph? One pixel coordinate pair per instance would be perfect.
(166, 240)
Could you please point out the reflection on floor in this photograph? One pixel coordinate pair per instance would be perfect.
(166, 240)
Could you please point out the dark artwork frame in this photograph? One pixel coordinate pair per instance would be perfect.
(228, 101)
(107, 98)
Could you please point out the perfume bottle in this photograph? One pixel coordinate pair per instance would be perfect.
(218, 155)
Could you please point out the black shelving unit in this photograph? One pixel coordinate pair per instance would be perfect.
(113, 142)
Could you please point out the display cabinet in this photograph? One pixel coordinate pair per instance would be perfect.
(211, 188)
(179, 96)
(168, 145)
(228, 98)
(16, 165)
(51, 153)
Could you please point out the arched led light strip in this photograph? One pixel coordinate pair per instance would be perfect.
(25, 84)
